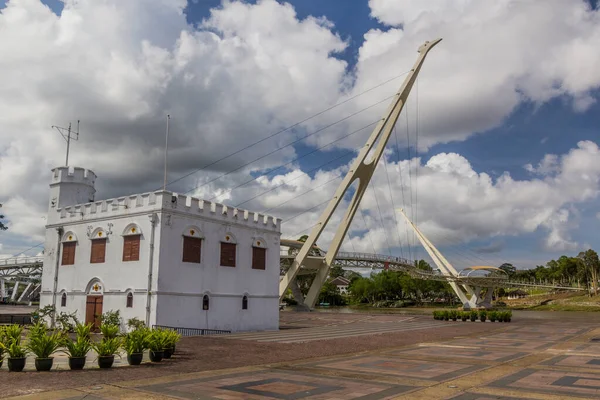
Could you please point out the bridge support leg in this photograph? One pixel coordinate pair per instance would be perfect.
(25, 292)
(14, 291)
(2, 289)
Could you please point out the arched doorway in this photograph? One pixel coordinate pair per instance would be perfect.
(93, 304)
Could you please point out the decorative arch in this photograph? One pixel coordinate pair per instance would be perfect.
(205, 302)
(193, 231)
(132, 230)
(98, 233)
(245, 301)
(95, 287)
(259, 242)
(129, 298)
(68, 237)
(229, 237)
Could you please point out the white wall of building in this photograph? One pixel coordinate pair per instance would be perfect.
(177, 287)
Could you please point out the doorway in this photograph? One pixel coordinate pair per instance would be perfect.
(93, 311)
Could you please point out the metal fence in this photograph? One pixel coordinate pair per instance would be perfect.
(15, 319)
(192, 331)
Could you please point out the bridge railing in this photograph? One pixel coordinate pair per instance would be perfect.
(14, 261)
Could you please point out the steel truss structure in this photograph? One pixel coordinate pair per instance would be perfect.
(18, 271)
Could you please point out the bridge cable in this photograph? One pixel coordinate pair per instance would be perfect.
(402, 190)
(393, 206)
(24, 251)
(286, 129)
(290, 144)
(294, 160)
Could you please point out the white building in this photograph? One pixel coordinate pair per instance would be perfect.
(342, 284)
(166, 259)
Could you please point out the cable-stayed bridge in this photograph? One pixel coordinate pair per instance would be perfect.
(472, 285)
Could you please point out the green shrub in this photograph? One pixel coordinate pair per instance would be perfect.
(464, 315)
(12, 333)
(44, 345)
(508, 316)
(473, 315)
(136, 323)
(157, 340)
(493, 315)
(107, 346)
(111, 317)
(67, 322)
(172, 337)
(136, 341)
(109, 331)
(15, 350)
(37, 329)
(77, 348)
(84, 331)
(446, 315)
(482, 315)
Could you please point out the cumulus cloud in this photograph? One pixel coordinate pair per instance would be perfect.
(249, 70)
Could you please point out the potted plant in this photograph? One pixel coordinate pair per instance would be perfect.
(172, 337)
(43, 346)
(134, 344)
(109, 331)
(2, 351)
(446, 315)
(156, 344)
(508, 316)
(106, 350)
(77, 351)
(482, 315)
(13, 333)
(464, 316)
(473, 316)
(493, 316)
(17, 356)
(84, 331)
(454, 315)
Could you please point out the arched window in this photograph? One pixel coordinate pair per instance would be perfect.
(129, 300)
(63, 300)
(245, 303)
(205, 302)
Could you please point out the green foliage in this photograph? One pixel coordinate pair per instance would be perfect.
(464, 316)
(67, 322)
(136, 323)
(473, 315)
(493, 315)
(43, 345)
(77, 348)
(39, 328)
(331, 294)
(509, 269)
(43, 314)
(158, 340)
(84, 331)
(107, 347)
(446, 315)
(111, 317)
(109, 331)
(172, 337)
(335, 271)
(482, 315)
(15, 350)
(3, 227)
(136, 341)
(12, 334)
(453, 315)
(438, 315)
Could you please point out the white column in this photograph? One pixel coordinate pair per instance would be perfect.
(14, 292)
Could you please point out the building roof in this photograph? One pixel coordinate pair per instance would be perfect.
(340, 281)
(518, 292)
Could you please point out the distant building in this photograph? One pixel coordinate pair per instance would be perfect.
(342, 284)
(517, 294)
(166, 259)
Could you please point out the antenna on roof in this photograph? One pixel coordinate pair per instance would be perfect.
(68, 137)
(166, 150)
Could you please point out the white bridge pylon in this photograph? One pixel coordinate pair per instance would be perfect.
(470, 296)
(361, 172)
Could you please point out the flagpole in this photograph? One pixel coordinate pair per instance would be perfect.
(166, 150)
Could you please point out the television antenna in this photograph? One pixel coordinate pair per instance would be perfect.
(67, 134)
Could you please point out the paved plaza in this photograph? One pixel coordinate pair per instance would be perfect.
(521, 360)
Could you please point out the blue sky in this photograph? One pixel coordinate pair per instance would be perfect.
(527, 133)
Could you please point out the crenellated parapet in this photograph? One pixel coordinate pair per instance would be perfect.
(163, 201)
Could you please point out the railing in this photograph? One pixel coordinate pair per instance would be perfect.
(192, 331)
(15, 319)
(16, 261)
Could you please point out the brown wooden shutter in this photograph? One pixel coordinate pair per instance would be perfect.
(259, 258)
(68, 255)
(228, 254)
(192, 249)
(98, 251)
(131, 248)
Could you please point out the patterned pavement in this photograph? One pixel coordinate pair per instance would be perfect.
(523, 360)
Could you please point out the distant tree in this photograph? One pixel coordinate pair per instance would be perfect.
(3, 227)
(590, 265)
(509, 269)
(331, 294)
(352, 275)
(423, 265)
(335, 271)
